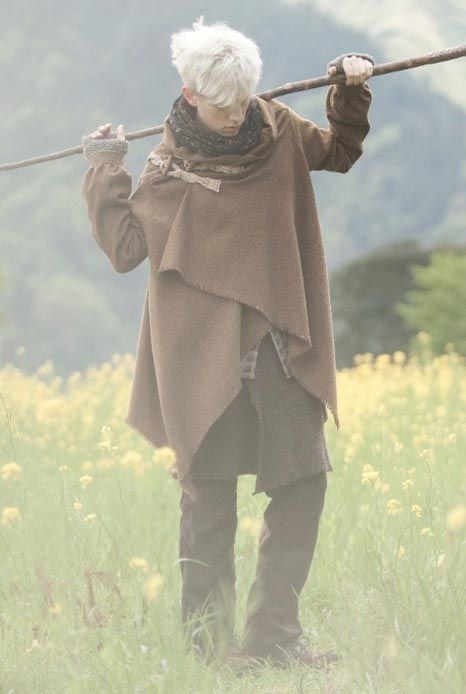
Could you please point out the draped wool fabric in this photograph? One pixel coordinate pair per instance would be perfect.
(235, 248)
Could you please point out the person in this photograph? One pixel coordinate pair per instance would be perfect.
(235, 364)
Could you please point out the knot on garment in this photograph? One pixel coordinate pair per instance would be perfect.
(168, 168)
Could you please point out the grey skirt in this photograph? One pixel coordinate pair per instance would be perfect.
(273, 429)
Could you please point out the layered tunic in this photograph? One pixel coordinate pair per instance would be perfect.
(235, 251)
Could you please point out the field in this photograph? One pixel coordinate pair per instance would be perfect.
(89, 575)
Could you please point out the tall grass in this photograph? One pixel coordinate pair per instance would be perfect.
(89, 517)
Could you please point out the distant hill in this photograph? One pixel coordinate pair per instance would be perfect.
(402, 30)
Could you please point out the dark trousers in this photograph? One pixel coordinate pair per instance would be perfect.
(286, 548)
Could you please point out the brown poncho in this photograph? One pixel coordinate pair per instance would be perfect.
(235, 247)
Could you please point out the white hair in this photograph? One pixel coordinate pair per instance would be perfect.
(216, 62)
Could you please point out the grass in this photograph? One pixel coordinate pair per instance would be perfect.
(89, 516)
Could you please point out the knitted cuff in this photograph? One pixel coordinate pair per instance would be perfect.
(111, 150)
(338, 62)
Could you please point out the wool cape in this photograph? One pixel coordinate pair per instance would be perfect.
(230, 256)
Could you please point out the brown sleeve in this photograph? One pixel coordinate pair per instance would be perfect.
(106, 189)
(338, 147)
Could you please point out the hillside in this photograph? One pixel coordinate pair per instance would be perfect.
(403, 30)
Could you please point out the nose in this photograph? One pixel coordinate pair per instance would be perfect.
(236, 116)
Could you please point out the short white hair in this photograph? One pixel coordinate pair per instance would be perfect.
(216, 62)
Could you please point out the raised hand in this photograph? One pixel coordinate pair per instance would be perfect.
(357, 70)
(105, 132)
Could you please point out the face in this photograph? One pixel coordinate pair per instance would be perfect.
(223, 121)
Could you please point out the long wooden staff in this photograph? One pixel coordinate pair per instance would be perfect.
(288, 88)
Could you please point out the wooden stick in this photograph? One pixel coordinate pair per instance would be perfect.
(381, 69)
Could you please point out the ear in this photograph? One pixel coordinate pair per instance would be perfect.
(188, 95)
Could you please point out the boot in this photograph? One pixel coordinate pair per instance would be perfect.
(295, 652)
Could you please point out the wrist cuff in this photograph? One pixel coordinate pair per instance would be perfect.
(110, 149)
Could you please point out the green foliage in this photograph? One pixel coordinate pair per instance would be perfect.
(367, 291)
(437, 305)
(363, 296)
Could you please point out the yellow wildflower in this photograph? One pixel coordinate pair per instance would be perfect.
(350, 453)
(456, 518)
(153, 586)
(427, 454)
(85, 480)
(427, 531)
(11, 471)
(63, 468)
(74, 378)
(10, 514)
(365, 358)
(416, 509)
(139, 563)
(45, 368)
(399, 357)
(423, 337)
(165, 456)
(55, 608)
(251, 525)
(369, 474)
(400, 551)
(77, 506)
(90, 517)
(134, 461)
(393, 506)
(50, 409)
(382, 360)
(407, 483)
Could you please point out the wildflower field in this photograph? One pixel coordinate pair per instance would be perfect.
(89, 516)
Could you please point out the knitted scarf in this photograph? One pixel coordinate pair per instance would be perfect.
(189, 133)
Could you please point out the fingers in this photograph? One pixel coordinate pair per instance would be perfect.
(105, 131)
(102, 131)
(349, 68)
(365, 68)
(357, 70)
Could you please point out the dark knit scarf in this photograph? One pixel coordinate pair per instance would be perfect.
(189, 133)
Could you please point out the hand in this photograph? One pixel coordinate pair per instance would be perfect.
(105, 132)
(357, 70)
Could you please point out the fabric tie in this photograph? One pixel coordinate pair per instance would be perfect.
(169, 168)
